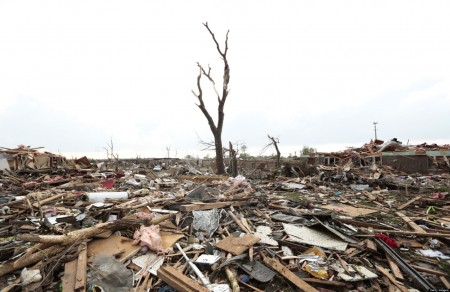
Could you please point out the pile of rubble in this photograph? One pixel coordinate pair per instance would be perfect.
(79, 226)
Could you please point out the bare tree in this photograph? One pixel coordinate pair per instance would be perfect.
(274, 141)
(216, 129)
(110, 155)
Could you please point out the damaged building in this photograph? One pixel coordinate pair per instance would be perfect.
(25, 157)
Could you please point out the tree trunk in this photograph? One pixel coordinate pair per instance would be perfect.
(87, 233)
(219, 155)
(275, 142)
(278, 154)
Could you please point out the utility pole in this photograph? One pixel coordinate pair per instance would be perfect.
(375, 129)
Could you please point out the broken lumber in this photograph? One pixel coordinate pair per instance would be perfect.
(69, 278)
(445, 282)
(428, 271)
(345, 266)
(394, 268)
(238, 222)
(81, 275)
(410, 222)
(178, 280)
(285, 272)
(409, 202)
(371, 245)
(391, 278)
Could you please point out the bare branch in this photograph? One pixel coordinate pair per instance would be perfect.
(224, 53)
(206, 145)
(208, 75)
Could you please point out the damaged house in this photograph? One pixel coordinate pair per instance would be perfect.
(24, 157)
(424, 158)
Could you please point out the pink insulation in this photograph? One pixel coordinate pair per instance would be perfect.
(149, 237)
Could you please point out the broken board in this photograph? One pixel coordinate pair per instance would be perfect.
(237, 245)
(178, 280)
(169, 238)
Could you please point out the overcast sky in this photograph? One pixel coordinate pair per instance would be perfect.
(73, 74)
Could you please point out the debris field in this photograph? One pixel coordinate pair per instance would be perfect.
(355, 224)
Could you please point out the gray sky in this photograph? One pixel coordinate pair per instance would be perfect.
(73, 74)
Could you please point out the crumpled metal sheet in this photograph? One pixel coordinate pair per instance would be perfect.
(207, 221)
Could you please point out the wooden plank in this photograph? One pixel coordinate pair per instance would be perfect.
(116, 245)
(208, 206)
(445, 282)
(370, 244)
(409, 202)
(178, 280)
(428, 271)
(411, 243)
(345, 266)
(395, 269)
(411, 223)
(238, 222)
(80, 283)
(284, 271)
(391, 278)
(69, 278)
(324, 282)
(364, 224)
(237, 245)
